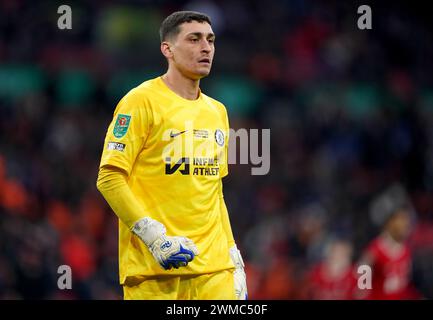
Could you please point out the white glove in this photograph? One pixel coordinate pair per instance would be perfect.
(239, 274)
(170, 252)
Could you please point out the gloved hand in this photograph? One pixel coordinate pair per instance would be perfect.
(170, 252)
(240, 277)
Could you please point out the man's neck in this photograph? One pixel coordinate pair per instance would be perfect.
(181, 85)
(393, 245)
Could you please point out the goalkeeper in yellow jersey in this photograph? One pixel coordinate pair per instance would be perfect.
(163, 160)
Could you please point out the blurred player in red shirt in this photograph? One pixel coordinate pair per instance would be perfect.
(334, 278)
(388, 254)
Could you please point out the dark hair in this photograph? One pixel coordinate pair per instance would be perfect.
(170, 25)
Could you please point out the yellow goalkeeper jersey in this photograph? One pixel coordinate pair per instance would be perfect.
(174, 152)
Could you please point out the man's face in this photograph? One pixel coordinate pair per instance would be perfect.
(400, 225)
(193, 49)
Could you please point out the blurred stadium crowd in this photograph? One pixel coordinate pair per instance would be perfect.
(350, 113)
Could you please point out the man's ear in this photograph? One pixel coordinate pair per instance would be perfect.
(165, 49)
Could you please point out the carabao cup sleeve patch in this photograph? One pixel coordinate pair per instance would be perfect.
(121, 126)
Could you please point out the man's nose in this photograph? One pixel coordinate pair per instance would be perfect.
(206, 47)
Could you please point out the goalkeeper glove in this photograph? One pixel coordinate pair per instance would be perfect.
(170, 252)
(240, 277)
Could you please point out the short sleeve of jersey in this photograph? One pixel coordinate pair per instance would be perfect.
(127, 132)
(224, 166)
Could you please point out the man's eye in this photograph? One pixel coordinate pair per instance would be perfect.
(194, 40)
(211, 40)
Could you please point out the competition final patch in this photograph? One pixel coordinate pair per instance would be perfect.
(122, 125)
(219, 137)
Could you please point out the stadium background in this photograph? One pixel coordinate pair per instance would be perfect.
(350, 112)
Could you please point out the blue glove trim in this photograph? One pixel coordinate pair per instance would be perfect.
(178, 259)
